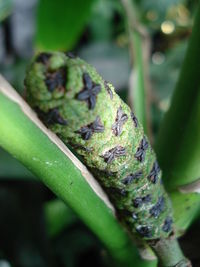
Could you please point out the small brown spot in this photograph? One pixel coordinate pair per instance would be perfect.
(135, 120)
(131, 177)
(121, 118)
(78, 146)
(89, 92)
(87, 131)
(138, 201)
(108, 89)
(153, 176)
(144, 230)
(113, 153)
(167, 226)
(114, 190)
(51, 117)
(56, 80)
(43, 58)
(70, 54)
(147, 198)
(141, 151)
(159, 207)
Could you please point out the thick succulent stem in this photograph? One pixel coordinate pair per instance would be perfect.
(26, 138)
(84, 110)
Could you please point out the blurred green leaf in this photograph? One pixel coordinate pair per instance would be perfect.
(164, 74)
(5, 8)
(102, 25)
(61, 22)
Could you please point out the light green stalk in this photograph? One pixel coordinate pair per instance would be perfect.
(139, 49)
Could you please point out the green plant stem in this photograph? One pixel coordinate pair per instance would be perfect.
(170, 253)
(178, 143)
(23, 136)
(137, 90)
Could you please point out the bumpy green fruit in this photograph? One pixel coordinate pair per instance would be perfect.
(77, 104)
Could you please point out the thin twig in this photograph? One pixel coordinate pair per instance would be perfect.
(140, 43)
(132, 18)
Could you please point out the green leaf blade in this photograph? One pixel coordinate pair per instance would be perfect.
(60, 23)
(178, 144)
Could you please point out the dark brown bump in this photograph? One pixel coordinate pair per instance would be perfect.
(113, 153)
(141, 151)
(120, 120)
(43, 58)
(118, 191)
(70, 54)
(144, 230)
(103, 173)
(167, 226)
(158, 208)
(89, 92)
(51, 117)
(153, 176)
(87, 131)
(78, 146)
(135, 120)
(131, 177)
(124, 212)
(56, 80)
(108, 89)
(147, 198)
(139, 201)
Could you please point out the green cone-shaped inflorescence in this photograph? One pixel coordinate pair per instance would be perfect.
(77, 104)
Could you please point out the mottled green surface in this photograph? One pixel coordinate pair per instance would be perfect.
(79, 113)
